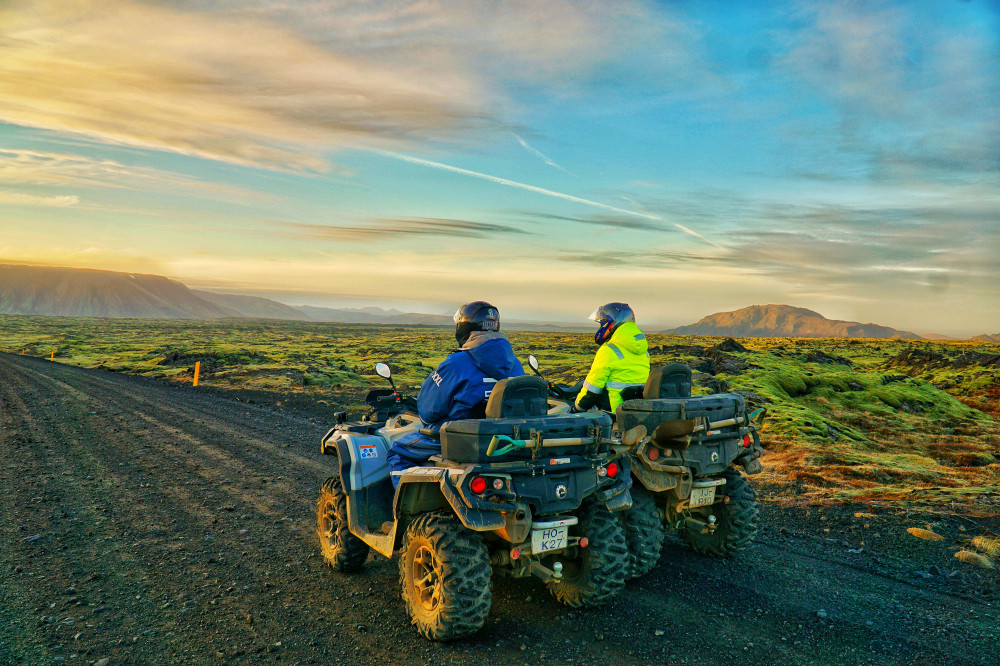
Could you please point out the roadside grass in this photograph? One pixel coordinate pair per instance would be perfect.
(848, 420)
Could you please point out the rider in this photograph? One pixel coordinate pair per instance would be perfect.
(461, 384)
(621, 360)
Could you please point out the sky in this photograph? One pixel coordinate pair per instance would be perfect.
(545, 155)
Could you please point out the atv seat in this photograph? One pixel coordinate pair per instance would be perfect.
(668, 381)
(518, 397)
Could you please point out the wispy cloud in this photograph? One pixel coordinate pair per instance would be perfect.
(191, 82)
(918, 98)
(549, 193)
(377, 230)
(607, 221)
(280, 85)
(537, 153)
(40, 168)
(22, 199)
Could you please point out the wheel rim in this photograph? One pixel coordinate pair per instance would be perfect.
(426, 578)
(329, 521)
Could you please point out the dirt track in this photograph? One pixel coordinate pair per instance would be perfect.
(146, 523)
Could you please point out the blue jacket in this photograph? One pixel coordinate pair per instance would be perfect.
(457, 389)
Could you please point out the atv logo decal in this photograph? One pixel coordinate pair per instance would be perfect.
(558, 461)
(715, 456)
(561, 491)
(368, 451)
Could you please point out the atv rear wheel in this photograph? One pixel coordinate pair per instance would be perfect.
(598, 573)
(736, 522)
(444, 573)
(643, 531)
(342, 550)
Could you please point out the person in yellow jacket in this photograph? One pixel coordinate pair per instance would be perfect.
(621, 360)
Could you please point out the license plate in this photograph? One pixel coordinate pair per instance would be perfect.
(702, 496)
(550, 538)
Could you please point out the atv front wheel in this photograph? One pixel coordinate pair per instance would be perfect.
(598, 573)
(735, 522)
(643, 531)
(342, 550)
(444, 573)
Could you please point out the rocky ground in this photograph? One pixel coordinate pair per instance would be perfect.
(149, 523)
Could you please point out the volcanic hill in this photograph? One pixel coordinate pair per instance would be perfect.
(766, 321)
(79, 292)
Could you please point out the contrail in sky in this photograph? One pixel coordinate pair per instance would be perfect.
(539, 190)
(537, 153)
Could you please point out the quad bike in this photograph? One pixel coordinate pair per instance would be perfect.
(519, 492)
(683, 452)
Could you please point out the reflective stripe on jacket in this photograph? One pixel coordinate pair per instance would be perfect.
(620, 362)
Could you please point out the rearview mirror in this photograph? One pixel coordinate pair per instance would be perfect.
(533, 362)
(383, 370)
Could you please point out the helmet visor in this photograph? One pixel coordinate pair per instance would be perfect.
(458, 316)
(599, 315)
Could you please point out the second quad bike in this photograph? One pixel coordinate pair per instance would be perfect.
(683, 451)
(520, 492)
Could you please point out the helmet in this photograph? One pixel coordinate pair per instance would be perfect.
(475, 316)
(610, 317)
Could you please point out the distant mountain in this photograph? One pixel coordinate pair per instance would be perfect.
(784, 321)
(79, 292)
(252, 307)
(372, 315)
(986, 337)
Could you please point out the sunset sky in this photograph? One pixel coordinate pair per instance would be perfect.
(546, 155)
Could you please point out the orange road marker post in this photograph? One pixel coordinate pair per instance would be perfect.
(53, 357)
(197, 369)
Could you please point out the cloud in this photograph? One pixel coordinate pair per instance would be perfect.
(22, 199)
(539, 154)
(609, 221)
(914, 93)
(384, 229)
(39, 168)
(281, 84)
(248, 92)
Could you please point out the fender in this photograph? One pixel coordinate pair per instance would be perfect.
(429, 488)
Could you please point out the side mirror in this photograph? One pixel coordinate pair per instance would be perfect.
(533, 362)
(383, 370)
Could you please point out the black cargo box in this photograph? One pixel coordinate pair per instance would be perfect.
(707, 454)
(652, 413)
(468, 440)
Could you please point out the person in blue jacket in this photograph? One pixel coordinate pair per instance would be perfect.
(461, 384)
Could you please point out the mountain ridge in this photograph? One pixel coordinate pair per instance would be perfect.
(784, 321)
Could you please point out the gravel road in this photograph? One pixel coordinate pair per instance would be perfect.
(149, 523)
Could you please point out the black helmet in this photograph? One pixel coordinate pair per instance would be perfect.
(610, 317)
(475, 316)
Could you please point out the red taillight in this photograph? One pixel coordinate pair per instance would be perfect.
(653, 453)
(584, 542)
(515, 553)
(612, 469)
(746, 440)
(478, 485)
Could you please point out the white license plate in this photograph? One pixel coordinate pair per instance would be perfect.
(702, 496)
(550, 538)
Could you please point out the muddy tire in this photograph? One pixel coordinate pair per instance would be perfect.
(598, 574)
(644, 532)
(444, 574)
(342, 550)
(736, 522)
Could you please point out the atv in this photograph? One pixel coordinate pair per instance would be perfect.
(683, 452)
(519, 492)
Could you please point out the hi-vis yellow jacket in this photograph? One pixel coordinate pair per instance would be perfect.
(620, 362)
